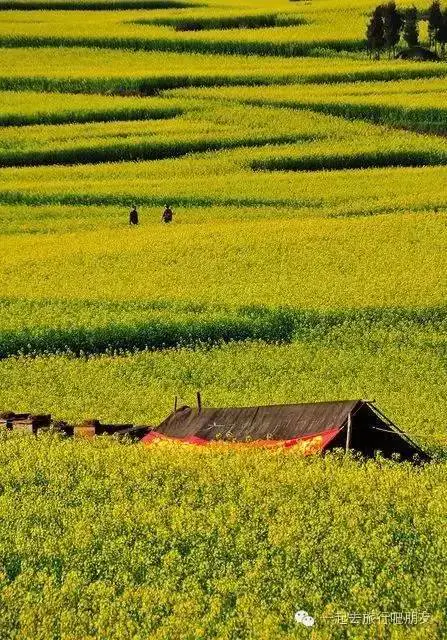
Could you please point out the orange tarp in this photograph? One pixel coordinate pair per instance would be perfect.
(305, 444)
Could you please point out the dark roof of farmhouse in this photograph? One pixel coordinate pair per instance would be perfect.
(370, 430)
(417, 53)
(278, 422)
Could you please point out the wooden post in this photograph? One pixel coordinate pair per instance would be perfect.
(199, 401)
(348, 432)
(175, 404)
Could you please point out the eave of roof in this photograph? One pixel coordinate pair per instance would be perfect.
(278, 422)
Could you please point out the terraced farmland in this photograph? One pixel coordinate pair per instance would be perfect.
(306, 261)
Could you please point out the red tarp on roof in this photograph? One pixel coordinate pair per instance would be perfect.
(306, 444)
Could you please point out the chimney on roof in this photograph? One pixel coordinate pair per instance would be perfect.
(199, 402)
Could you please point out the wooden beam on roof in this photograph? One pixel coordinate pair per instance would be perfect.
(394, 426)
(348, 432)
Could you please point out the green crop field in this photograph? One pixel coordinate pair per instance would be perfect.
(306, 262)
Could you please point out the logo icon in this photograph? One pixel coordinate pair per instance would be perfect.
(302, 617)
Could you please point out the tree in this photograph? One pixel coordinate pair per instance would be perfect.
(375, 33)
(411, 28)
(442, 32)
(392, 26)
(435, 20)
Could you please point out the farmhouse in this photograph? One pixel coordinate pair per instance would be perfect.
(312, 427)
(420, 54)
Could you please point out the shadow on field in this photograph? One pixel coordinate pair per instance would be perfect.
(222, 23)
(89, 5)
(93, 327)
(153, 85)
(125, 151)
(208, 46)
(134, 326)
(374, 160)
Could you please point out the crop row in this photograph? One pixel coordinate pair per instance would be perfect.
(83, 70)
(201, 127)
(31, 327)
(57, 218)
(89, 327)
(321, 142)
(24, 219)
(224, 178)
(89, 5)
(19, 108)
(424, 119)
(362, 160)
(293, 34)
(200, 22)
(272, 262)
(279, 30)
(417, 104)
(136, 149)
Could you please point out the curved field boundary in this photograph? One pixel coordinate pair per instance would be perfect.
(424, 119)
(125, 86)
(366, 160)
(83, 117)
(152, 85)
(157, 332)
(222, 23)
(132, 152)
(21, 197)
(255, 48)
(187, 326)
(271, 209)
(95, 6)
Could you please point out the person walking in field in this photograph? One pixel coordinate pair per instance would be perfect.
(133, 216)
(167, 215)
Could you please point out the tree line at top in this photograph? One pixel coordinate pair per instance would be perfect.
(388, 25)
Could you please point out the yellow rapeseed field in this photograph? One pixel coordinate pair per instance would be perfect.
(306, 262)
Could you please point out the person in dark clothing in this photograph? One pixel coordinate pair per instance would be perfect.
(133, 215)
(167, 214)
